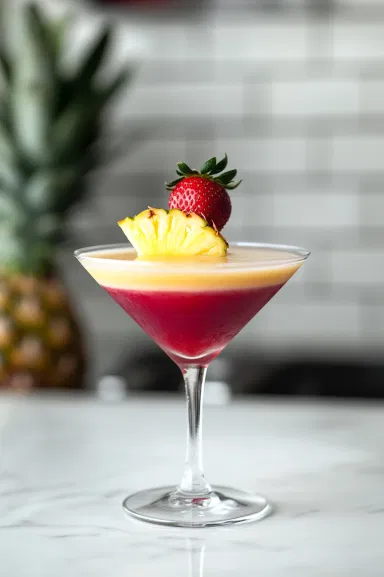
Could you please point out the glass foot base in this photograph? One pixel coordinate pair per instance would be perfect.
(224, 506)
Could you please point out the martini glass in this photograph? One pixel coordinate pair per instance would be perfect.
(192, 308)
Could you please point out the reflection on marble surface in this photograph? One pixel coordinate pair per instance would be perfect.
(67, 465)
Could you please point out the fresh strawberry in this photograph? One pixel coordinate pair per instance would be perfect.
(204, 192)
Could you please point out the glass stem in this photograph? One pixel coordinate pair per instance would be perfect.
(193, 482)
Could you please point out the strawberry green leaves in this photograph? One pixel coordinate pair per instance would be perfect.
(208, 166)
(220, 166)
(227, 177)
(171, 185)
(211, 170)
(184, 168)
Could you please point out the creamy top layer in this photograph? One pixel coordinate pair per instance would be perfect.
(242, 268)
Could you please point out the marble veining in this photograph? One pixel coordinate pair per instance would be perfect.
(66, 465)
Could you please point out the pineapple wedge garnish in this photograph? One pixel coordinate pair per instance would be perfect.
(159, 232)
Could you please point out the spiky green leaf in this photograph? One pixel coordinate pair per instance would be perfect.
(233, 185)
(40, 254)
(7, 149)
(65, 94)
(31, 122)
(171, 185)
(42, 29)
(12, 250)
(48, 226)
(184, 168)
(10, 177)
(56, 32)
(227, 177)
(66, 131)
(32, 95)
(40, 192)
(70, 131)
(45, 187)
(73, 195)
(122, 78)
(5, 113)
(9, 210)
(5, 69)
(221, 165)
(208, 166)
(75, 126)
(93, 60)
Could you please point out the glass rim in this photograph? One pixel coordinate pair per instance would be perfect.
(295, 255)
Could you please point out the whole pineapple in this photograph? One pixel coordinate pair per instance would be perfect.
(49, 123)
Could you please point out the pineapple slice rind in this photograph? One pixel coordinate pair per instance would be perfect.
(158, 232)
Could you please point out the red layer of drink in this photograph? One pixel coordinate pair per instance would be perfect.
(193, 326)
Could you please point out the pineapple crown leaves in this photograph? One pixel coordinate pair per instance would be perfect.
(5, 69)
(211, 170)
(38, 94)
(50, 123)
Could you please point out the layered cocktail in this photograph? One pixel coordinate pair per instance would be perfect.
(193, 307)
(192, 294)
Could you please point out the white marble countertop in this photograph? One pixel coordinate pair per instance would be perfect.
(66, 465)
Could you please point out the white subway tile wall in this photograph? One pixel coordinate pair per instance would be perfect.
(372, 209)
(361, 267)
(298, 105)
(323, 210)
(325, 324)
(359, 42)
(188, 99)
(359, 154)
(372, 96)
(315, 97)
(259, 40)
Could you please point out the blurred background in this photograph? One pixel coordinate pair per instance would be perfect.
(293, 91)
